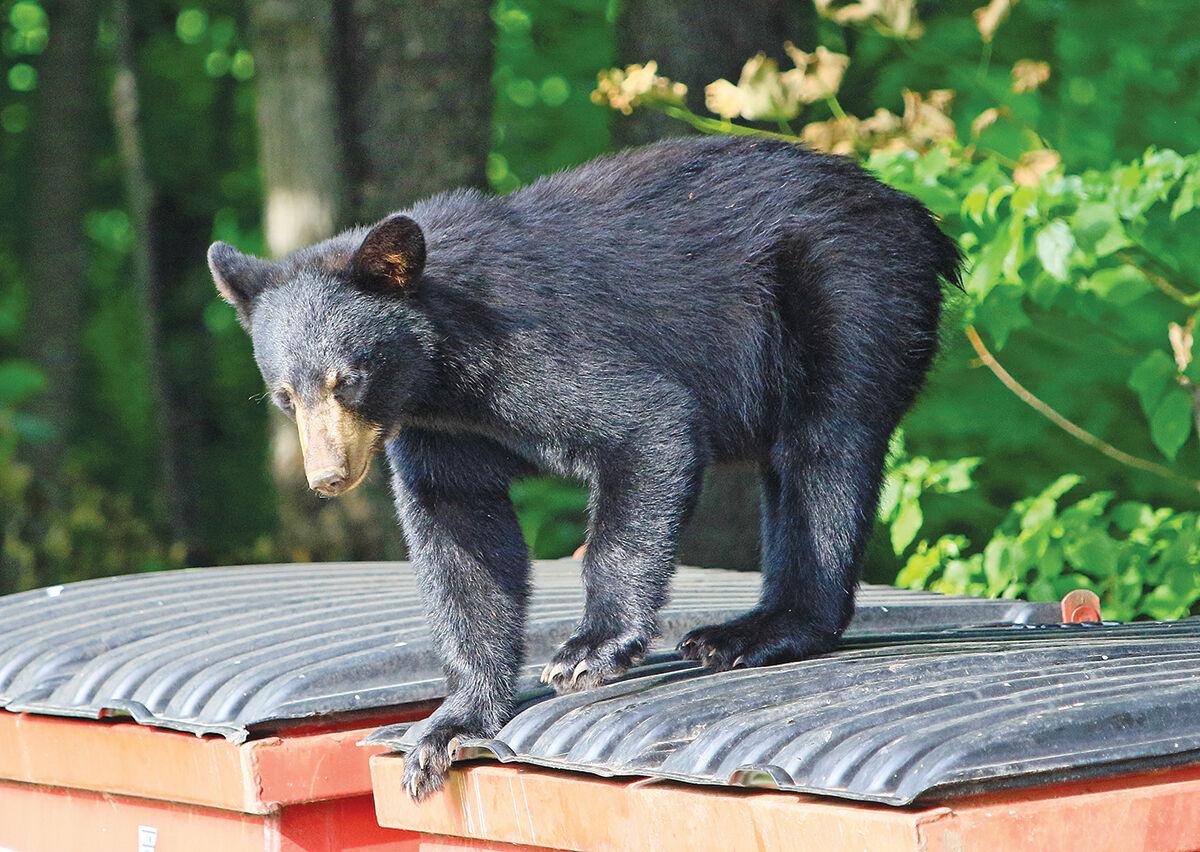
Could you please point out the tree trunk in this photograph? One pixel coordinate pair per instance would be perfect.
(58, 261)
(297, 122)
(418, 78)
(305, 196)
(363, 108)
(696, 43)
(140, 195)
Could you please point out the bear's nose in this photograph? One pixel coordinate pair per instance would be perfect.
(328, 481)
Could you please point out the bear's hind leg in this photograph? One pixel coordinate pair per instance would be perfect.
(820, 489)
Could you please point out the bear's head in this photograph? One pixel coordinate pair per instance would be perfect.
(342, 350)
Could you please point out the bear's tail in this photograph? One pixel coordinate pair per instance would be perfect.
(948, 257)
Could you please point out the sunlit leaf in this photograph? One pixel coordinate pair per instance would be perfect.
(906, 526)
(989, 18)
(1029, 74)
(1094, 553)
(1099, 229)
(1054, 246)
(1189, 190)
(975, 202)
(1035, 165)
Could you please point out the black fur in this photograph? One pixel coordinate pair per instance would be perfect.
(627, 322)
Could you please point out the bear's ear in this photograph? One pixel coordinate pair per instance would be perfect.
(239, 277)
(392, 253)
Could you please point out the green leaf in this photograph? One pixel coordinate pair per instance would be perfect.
(1094, 553)
(1165, 604)
(1054, 246)
(889, 496)
(927, 559)
(1151, 379)
(1024, 202)
(1038, 510)
(1120, 285)
(1185, 201)
(1098, 228)
(1001, 313)
(1000, 558)
(975, 203)
(956, 477)
(1062, 485)
(931, 165)
(986, 272)
(998, 195)
(907, 524)
(1171, 422)
(1130, 515)
(1016, 250)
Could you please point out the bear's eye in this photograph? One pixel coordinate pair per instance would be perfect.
(337, 380)
(348, 388)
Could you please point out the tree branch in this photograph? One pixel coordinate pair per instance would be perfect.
(1072, 429)
(1160, 282)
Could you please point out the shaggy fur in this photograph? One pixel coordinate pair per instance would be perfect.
(627, 322)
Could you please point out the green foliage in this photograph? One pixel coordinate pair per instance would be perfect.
(908, 480)
(1078, 247)
(1075, 245)
(552, 513)
(547, 53)
(1140, 560)
(67, 530)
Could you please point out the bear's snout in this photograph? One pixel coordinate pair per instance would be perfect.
(328, 482)
(337, 446)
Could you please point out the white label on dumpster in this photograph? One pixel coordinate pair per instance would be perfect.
(147, 838)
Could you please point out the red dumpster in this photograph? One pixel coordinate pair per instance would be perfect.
(223, 708)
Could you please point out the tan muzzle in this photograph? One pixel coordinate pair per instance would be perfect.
(337, 446)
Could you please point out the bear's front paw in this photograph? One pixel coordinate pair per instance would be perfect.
(425, 767)
(758, 638)
(586, 661)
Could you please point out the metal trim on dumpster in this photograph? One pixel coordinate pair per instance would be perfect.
(536, 809)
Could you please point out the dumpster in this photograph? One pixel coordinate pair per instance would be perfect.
(225, 707)
(1020, 737)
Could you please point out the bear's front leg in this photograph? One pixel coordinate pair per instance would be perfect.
(473, 571)
(639, 501)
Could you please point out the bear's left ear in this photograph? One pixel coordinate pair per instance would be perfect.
(392, 253)
(239, 277)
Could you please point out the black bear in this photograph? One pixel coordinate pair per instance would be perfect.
(627, 322)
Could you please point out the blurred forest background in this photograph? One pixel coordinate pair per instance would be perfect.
(1055, 446)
